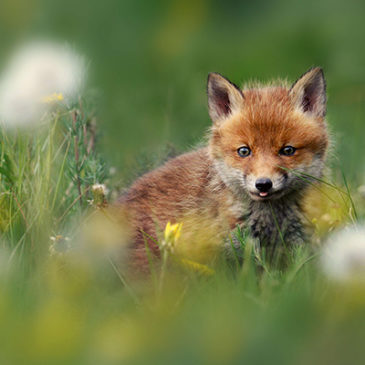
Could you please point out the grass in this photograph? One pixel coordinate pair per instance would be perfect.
(64, 298)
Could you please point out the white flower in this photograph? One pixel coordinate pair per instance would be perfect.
(38, 75)
(343, 257)
(100, 188)
(99, 192)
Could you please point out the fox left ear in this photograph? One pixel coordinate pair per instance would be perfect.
(308, 93)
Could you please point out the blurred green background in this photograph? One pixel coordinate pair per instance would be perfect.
(150, 60)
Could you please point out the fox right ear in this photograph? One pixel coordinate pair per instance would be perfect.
(308, 93)
(223, 97)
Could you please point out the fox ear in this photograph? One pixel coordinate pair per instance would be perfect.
(223, 97)
(309, 92)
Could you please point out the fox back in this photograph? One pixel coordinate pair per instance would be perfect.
(266, 145)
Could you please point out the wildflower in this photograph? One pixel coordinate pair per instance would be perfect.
(343, 257)
(171, 235)
(37, 75)
(99, 192)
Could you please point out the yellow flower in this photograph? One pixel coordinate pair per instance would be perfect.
(52, 98)
(171, 235)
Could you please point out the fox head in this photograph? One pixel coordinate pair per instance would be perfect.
(268, 141)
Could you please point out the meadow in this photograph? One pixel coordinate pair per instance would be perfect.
(64, 298)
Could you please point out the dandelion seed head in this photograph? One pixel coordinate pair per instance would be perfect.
(343, 257)
(37, 75)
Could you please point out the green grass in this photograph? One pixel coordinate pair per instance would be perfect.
(67, 301)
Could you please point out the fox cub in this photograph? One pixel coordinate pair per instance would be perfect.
(265, 144)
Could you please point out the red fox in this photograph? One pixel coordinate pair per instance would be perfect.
(264, 144)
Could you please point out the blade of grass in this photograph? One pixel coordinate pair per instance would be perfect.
(349, 195)
(124, 282)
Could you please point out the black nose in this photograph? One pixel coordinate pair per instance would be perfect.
(263, 184)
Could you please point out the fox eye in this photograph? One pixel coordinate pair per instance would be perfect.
(287, 151)
(243, 151)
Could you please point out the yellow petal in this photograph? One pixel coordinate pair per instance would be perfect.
(167, 231)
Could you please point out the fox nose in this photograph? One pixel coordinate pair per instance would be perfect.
(263, 184)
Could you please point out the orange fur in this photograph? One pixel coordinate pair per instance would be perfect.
(269, 122)
(211, 190)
